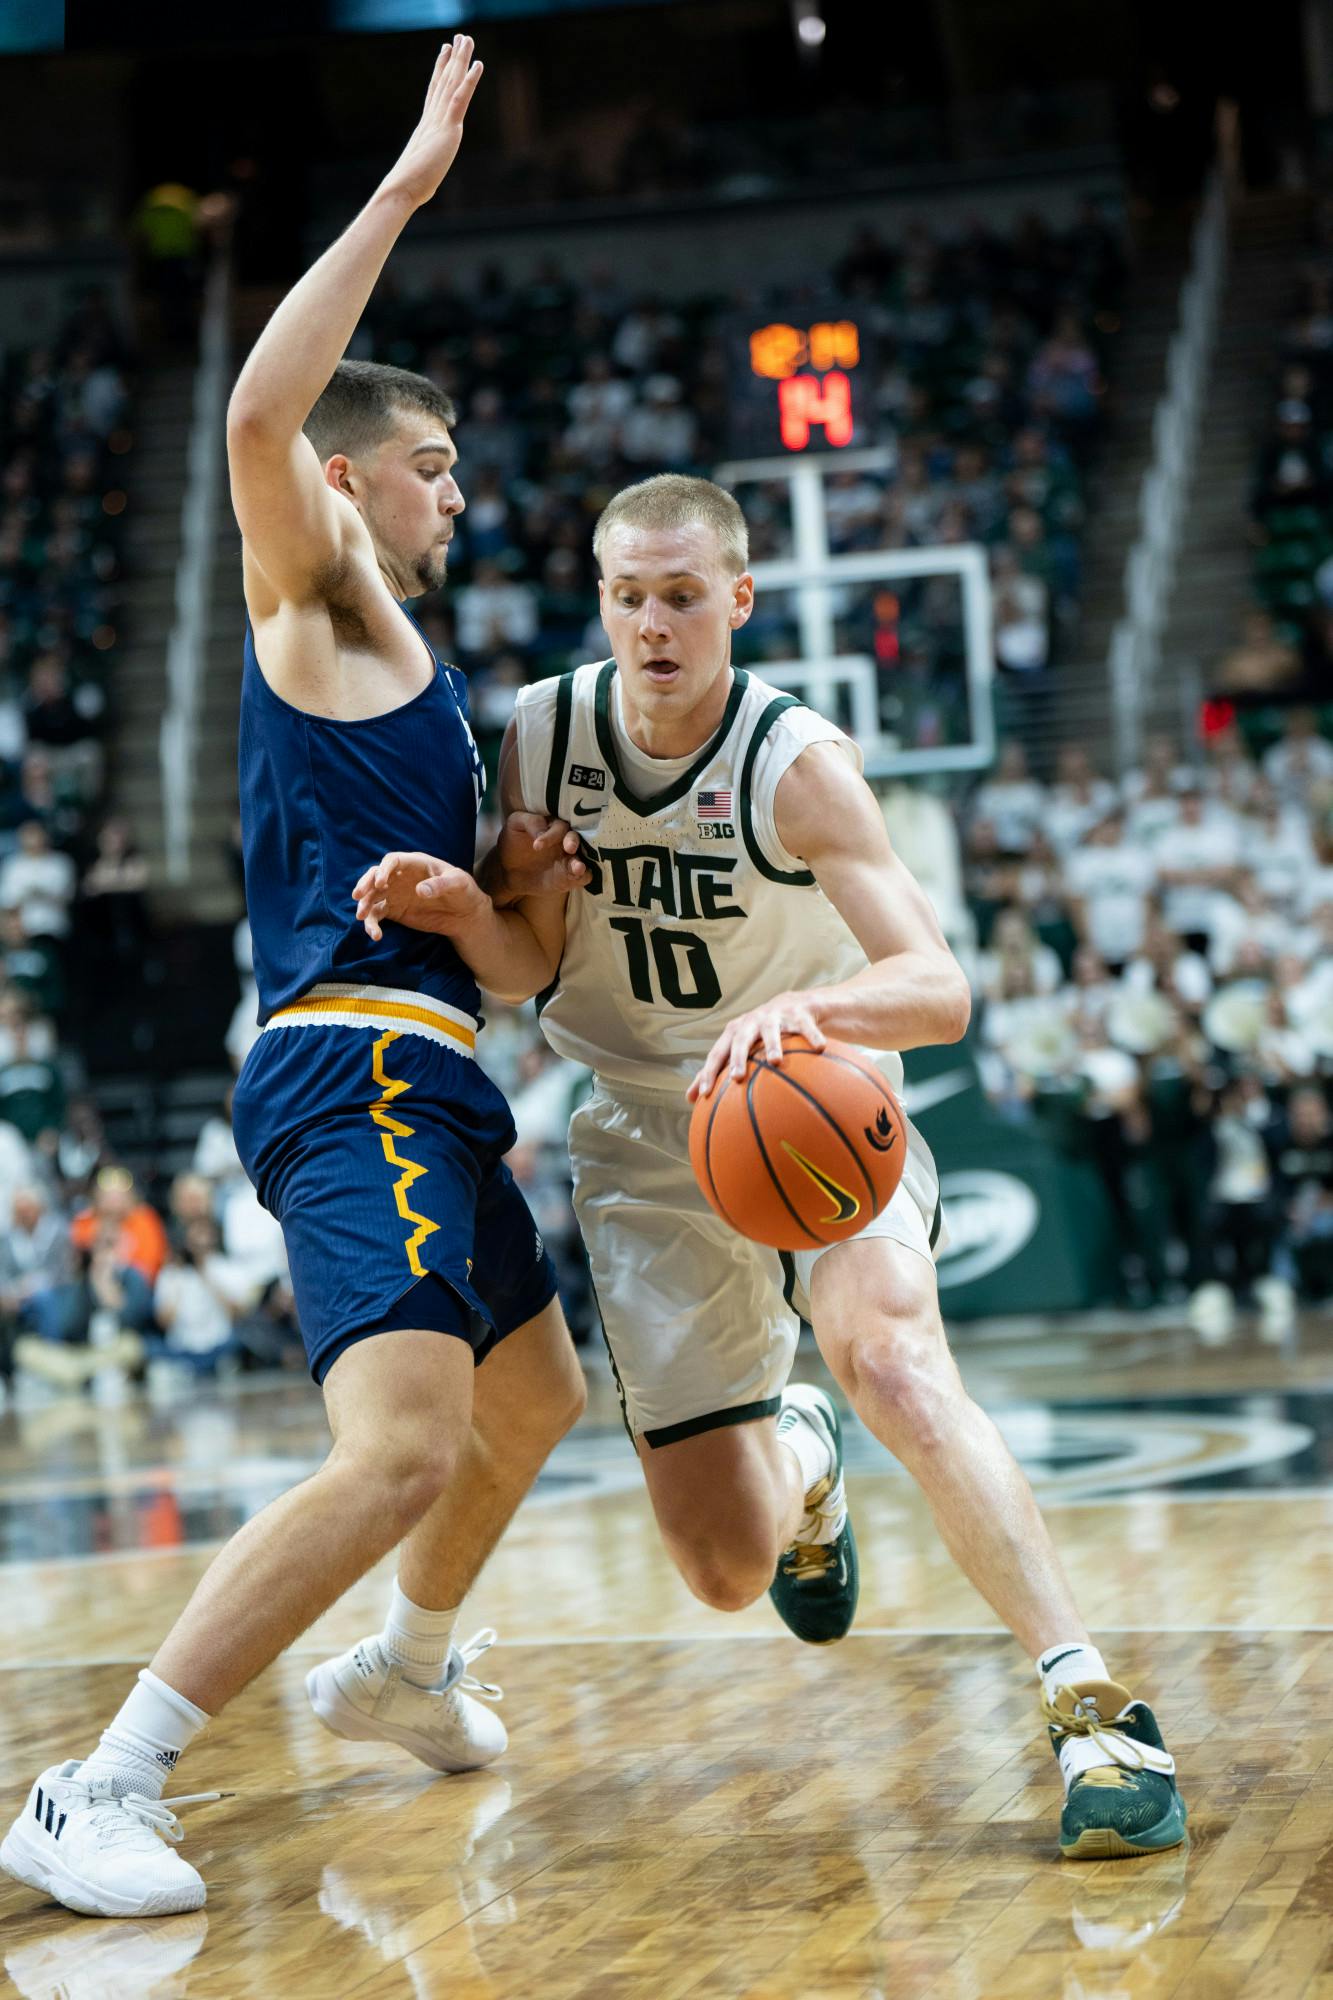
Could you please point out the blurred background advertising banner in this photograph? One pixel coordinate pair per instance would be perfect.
(1030, 1228)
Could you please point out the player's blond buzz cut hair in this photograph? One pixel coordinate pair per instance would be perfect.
(676, 500)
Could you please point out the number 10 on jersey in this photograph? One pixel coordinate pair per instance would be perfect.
(686, 975)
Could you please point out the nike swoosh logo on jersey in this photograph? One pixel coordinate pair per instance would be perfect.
(845, 1205)
(585, 812)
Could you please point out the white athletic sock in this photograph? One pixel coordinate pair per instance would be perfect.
(417, 1640)
(1069, 1665)
(139, 1750)
(807, 1445)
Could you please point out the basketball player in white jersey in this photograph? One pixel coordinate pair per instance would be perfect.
(742, 886)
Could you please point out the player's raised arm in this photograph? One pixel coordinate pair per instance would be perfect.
(291, 518)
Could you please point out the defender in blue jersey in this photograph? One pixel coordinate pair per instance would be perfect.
(362, 1113)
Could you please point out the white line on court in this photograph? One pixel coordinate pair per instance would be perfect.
(726, 1638)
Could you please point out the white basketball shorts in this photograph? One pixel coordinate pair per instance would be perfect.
(701, 1323)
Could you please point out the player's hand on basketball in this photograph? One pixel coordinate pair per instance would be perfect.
(419, 891)
(762, 1027)
(540, 856)
(430, 152)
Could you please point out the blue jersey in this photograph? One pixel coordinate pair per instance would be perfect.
(320, 802)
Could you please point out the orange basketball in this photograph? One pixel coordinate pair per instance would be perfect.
(803, 1152)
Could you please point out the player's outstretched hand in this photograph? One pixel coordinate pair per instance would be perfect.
(419, 891)
(540, 856)
(789, 1013)
(430, 152)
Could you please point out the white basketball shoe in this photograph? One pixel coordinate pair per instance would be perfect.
(363, 1697)
(101, 1855)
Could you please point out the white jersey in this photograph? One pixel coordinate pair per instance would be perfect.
(694, 912)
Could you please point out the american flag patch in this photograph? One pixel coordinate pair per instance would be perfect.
(712, 805)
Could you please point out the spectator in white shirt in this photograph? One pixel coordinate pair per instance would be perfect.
(494, 612)
(1230, 774)
(199, 1296)
(1020, 615)
(215, 1154)
(1197, 857)
(598, 406)
(1014, 943)
(1091, 989)
(1317, 886)
(39, 883)
(251, 1237)
(1300, 767)
(659, 431)
(1277, 846)
(1244, 916)
(1151, 793)
(1110, 880)
(1078, 799)
(1012, 801)
(35, 1252)
(642, 335)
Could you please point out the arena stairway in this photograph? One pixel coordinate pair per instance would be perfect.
(211, 894)
(1081, 710)
(1214, 588)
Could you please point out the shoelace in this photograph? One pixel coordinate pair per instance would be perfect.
(805, 1560)
(480, 1642)
(136, 1812)
(1086, 1721)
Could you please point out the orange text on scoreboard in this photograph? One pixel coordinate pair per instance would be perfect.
(809, 365)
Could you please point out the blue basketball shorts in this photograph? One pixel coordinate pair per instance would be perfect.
(373, 1135)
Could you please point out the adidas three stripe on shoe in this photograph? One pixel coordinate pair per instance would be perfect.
(101, 1855)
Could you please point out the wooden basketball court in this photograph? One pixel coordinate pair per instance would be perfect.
(695, 1805)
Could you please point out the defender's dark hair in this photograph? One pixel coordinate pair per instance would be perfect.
(360, 407)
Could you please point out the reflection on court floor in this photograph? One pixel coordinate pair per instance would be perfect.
(695, 1805)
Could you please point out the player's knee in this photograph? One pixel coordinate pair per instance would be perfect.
(403, 1475)
(553, 1404)
(724, 1588)
(902, 1372)
(565, 1398)
(725, 1578)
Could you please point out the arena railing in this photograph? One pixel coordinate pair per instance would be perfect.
(187, 643)
(1134, 656)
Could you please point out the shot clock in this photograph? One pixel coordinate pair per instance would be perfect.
(800, 384)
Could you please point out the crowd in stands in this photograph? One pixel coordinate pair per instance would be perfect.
(985, 390)
(1155, 978)
(93, 1283)
(1150, 958)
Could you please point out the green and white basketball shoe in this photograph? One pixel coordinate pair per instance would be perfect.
(815, 1589)
(1121, 1796)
